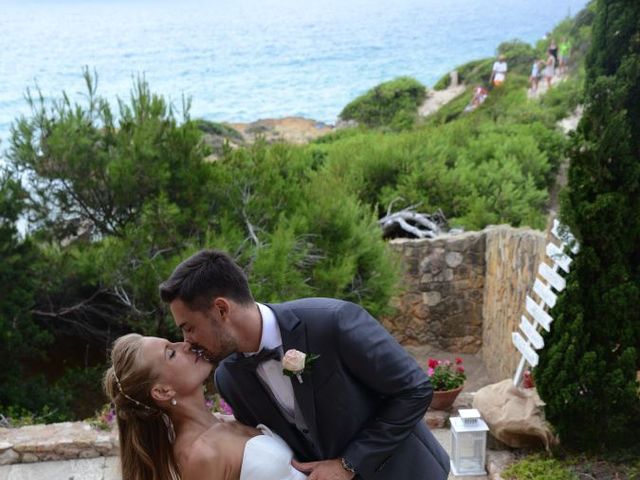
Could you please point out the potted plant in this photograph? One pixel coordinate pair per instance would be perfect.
(447, 380)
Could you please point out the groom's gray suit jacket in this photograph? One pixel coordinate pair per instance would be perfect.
(364, 398)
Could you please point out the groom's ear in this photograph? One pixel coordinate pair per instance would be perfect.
(221, 306)
(162, 393)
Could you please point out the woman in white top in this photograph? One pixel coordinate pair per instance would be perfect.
(499, 71)
(166, 431)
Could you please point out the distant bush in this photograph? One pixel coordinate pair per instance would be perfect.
(473, 72)
(392, 104)
(520, 55)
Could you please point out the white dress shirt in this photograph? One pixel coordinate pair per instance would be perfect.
(270, 372)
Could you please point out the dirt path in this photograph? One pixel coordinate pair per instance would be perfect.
(437, 98)
(542, 86)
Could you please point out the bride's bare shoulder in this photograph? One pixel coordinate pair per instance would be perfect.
(203, 461)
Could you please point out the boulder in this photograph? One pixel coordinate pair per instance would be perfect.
(515, 416)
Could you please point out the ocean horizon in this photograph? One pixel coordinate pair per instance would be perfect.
(250, 59)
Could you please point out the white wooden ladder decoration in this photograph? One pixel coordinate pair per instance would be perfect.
(544, 289)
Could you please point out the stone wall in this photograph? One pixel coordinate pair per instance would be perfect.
(465, 293)
(441, 303)
(512, 259)
(56, 441)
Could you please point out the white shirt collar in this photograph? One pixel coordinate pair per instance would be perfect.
(271, 337)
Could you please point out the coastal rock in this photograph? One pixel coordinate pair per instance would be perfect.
(342, 124)
(295, 130)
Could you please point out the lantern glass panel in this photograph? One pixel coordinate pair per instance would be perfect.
(468, 449)
(469, 452)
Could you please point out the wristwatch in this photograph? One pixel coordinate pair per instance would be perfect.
(347, 466)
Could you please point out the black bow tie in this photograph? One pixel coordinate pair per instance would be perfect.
(252, 361)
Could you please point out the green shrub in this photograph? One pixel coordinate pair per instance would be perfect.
(587, 370)
(394, 104)
(564, 97)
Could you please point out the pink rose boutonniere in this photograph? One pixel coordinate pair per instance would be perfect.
(295, 363)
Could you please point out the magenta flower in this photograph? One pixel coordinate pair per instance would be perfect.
(225, 407)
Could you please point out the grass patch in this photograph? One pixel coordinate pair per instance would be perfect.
(538, 468)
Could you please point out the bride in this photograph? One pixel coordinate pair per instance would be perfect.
(166, 431)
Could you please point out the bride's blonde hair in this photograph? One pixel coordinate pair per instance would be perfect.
(145, 450)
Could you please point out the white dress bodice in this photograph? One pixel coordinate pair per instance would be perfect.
(268, 457)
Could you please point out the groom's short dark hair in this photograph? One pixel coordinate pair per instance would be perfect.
(204, 276)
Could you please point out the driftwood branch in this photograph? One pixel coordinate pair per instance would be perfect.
(246, 198)
(419, 225)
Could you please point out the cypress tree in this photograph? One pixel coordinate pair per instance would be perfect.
(587, 371)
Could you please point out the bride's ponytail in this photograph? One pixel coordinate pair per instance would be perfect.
(145, 450)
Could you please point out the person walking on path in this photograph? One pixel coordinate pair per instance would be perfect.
(536, 73)
(550, 69)
(564, 50)
(499, 71)
(553, 51)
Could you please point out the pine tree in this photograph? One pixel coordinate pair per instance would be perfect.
(587, 371)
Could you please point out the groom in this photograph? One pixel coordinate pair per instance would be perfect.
(354, 410)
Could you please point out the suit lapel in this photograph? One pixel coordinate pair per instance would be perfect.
(263, 406)
(294, 336)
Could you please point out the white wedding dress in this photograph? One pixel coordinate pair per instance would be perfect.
(268, 457)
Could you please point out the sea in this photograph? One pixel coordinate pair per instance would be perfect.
(243, 60)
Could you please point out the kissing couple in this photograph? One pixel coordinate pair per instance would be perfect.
(319, 389)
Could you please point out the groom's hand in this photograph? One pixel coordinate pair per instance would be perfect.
(324, 470)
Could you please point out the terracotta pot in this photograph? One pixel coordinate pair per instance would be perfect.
(442, 400)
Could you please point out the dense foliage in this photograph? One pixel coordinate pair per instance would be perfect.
(393, 104)
(117, 199)
(493, 165)
(20, 335)
(587, 371)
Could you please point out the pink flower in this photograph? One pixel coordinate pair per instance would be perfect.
(110, 416)
(209, 403)
(430, 371)
(458, 360)
(447, 363)
(433, 363)
(225, 407)
(460, 369)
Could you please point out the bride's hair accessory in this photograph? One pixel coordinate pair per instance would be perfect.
(174, 402)
(140, 404)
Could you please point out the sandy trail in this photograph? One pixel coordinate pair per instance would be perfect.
(437, 98)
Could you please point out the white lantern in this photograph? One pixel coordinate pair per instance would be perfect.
(468, 443)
